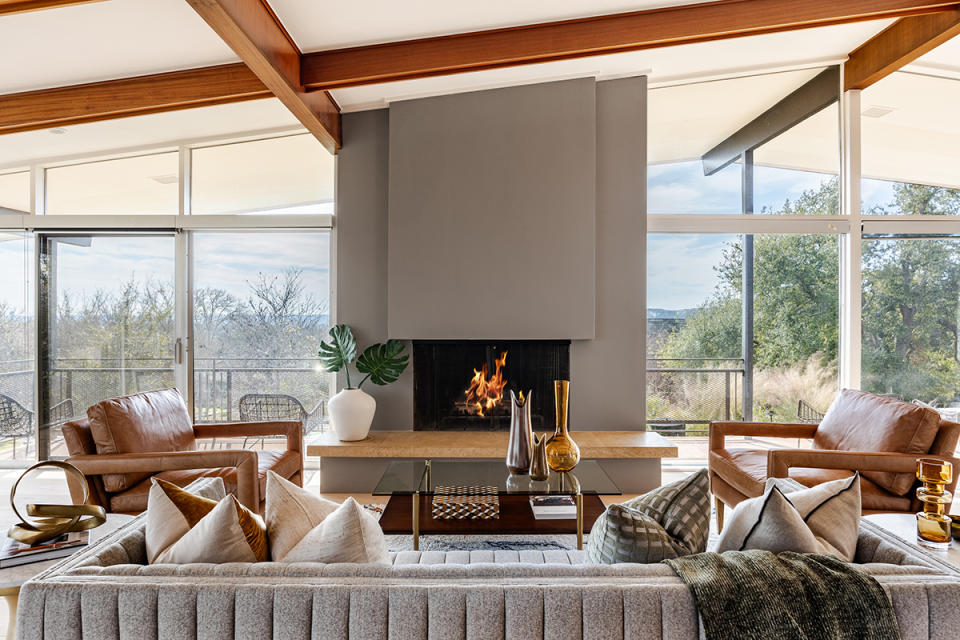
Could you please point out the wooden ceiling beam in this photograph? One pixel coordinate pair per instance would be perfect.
(899, 44)
(255, 34)
(8, 7)
(616, 33)
(78, 104)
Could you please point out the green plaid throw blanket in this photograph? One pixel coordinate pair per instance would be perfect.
(759, 595)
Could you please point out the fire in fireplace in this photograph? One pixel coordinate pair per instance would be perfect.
(466, 384)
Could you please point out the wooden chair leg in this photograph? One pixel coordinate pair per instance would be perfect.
(719, 505)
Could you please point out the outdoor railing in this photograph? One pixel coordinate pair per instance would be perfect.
(685, 394)
(219, 383)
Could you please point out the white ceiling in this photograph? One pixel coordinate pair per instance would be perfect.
(329, 25)
(104, 40)
(120, 38)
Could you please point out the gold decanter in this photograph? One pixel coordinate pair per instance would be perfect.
(563, 454)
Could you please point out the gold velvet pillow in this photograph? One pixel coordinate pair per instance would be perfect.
(182, 528)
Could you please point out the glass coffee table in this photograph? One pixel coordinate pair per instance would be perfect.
(411, 485)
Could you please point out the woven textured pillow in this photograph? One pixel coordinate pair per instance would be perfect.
(821, 519)
(304, 527)
(182, 528)
(670, 521)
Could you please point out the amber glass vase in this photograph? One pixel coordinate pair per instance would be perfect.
(933, 523)
(563, 454)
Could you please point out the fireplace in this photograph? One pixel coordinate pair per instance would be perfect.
(465, 384)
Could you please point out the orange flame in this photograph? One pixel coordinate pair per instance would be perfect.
(484, 394)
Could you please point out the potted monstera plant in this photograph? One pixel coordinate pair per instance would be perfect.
(352, 409)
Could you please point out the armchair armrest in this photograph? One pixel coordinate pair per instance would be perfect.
(720, 429)
(245, 461)
(293, 430)
(779, 461)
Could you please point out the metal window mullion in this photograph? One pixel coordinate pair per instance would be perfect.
(186, 180)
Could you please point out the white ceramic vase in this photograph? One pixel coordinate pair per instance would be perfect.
(351, 412)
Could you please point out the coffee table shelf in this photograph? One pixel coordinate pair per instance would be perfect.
(411, 486)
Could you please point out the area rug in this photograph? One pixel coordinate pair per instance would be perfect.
(484, 543)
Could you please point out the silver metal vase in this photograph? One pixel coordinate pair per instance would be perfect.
(520, 446)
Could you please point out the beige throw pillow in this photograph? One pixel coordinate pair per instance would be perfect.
(821, 519)
(304, 527)
(182, 528)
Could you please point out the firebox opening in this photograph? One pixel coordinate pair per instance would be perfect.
(466, 384)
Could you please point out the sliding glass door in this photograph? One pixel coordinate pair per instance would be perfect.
(106, 323)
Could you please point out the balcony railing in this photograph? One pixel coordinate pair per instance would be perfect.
(685, 394)
(219, 383)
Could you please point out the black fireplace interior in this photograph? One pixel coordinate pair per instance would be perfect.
(465, 384)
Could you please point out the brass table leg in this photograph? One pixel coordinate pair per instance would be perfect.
(429, 466)
(579, 499)
(416, 521)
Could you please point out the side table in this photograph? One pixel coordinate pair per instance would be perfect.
(904, 525)
(13, 578)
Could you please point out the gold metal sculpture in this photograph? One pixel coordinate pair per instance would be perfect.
(55, 519)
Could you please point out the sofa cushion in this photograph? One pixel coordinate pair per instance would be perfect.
(304, 527)
(858, 421)
(746, 471)
(183, 528)
(670, 521)
(134, 499)
(821, 519)
(140, 423)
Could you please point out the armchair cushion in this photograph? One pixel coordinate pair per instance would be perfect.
(858, 421)
(134, 499)
(746, 471)
(153, 421)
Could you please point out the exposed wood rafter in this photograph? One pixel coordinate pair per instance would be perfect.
(615, 33)
(262, 43)
(143, 95)
(255, 34)
(22, 6)
(899, 44)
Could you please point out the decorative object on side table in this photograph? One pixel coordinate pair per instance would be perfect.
(520, 445)
(54, 520)
(563, 454)
(933, 523)
(539, 471)
(466, 503)
(352, 409)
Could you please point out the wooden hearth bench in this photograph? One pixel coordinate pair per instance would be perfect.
(630, 458)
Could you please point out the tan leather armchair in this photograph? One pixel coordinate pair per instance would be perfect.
(124, 442)
(877, 436)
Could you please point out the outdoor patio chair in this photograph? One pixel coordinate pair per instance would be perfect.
(16, 421)
(258, 407)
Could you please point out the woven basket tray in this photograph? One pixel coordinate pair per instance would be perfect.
(466, 503)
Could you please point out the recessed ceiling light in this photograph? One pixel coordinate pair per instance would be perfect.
(877, 111)
(59, 131)
(170, 178)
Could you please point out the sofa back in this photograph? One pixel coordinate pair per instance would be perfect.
(860, 421)
(143, 422)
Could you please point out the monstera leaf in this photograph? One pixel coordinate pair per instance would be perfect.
(341, 351)
(382, 363)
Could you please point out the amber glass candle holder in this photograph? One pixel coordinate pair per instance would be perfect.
(933, 523)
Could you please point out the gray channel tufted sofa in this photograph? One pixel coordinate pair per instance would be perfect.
(107, 593)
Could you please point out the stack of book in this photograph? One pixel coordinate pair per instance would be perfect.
(553, 507)
(15, 553)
